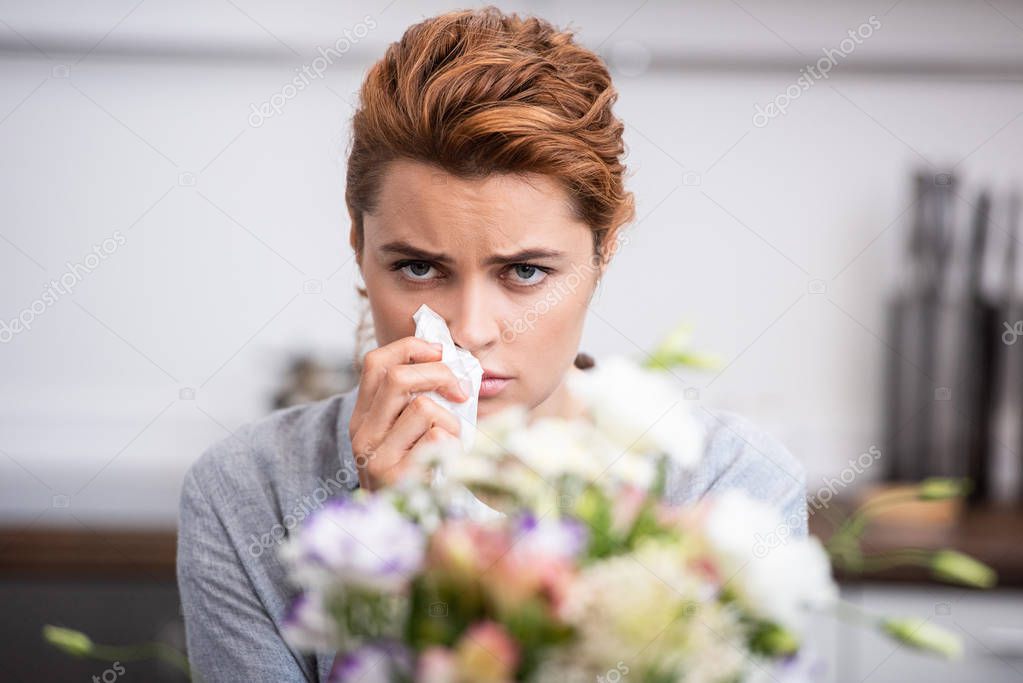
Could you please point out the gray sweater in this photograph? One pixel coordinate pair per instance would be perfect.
(247, 491)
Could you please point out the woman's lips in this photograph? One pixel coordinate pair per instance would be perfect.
(492, 386)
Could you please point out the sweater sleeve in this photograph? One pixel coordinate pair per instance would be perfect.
(230, 635)
(740, 455)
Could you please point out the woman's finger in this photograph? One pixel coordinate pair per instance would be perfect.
(435, 434)
(397, 389)
(422, 418)
(377, 363)
(421, 415)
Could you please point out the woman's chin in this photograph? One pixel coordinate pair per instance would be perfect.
(491, 406)
(487, 407)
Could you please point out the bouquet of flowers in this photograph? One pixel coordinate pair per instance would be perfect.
(552, 551)
(549, 552)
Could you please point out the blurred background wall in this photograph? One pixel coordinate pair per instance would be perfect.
(138, 119)
(140, 132)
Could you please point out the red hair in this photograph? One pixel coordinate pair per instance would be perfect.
(476, 92)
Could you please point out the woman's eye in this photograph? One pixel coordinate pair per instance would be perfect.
(416, 270)
(526, 274)
(522, 274)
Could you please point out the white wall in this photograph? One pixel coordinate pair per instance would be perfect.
(104, 112)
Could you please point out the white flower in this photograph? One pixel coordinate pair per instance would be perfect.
(649, 605)
(553, 447)
(552, 538)
(492, 431)
(452, 474)
(633, 469)
(777, 575)
(640, 410)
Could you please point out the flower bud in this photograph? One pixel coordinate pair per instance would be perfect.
(940, 488)
(959, 568)
(72, 642)
(775, 641)
(923, 635)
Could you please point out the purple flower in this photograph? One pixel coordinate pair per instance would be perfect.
(804, 666)
(308, 626)
(380, 662)
(563, 538)
(365, 543)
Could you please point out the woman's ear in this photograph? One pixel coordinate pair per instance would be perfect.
(353, 240)
(608, 247)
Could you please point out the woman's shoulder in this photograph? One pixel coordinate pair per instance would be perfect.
(239, 501)
(281, 455)
(739, 453)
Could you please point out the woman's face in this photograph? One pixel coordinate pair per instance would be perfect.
(501, 259)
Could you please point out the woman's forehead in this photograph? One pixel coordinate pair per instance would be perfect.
(477, 241)
(497, 214)
(429, 190)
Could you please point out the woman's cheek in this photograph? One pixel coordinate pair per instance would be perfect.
(391, 318)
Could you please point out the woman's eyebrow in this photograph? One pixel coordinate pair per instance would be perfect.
(524, 255)
(405, 249)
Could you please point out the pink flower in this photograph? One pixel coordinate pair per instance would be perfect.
(535, 565)
(487, 654)
(517, 578)
(464, 548)
(437, 665)
(626, 508)
(539, 565)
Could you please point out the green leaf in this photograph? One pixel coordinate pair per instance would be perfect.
(674, 351)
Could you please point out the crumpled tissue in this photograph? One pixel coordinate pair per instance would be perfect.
(431, 327)
(467, 369)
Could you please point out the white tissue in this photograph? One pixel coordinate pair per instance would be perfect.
(432, 328)
(467, 369)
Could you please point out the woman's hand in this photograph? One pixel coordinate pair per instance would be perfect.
(387, 422)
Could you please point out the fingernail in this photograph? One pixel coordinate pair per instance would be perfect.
(438, 346)
(466, 387)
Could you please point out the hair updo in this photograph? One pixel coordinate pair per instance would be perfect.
(477, 92)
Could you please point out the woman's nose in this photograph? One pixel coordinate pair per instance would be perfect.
(472, 319)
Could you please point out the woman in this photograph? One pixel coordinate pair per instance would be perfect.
(485, 180)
